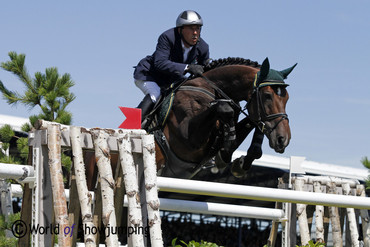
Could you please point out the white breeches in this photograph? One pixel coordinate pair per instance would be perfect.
(149, 87)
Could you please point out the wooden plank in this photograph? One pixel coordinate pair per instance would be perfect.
(55, 167)
(87, 141)
(44, 190)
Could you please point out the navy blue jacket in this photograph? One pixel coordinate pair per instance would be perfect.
(166, 64)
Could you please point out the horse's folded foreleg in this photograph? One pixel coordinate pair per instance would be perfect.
(223, 156)
(255, 150)
(243, 163)
(225, 117)
(242, 129)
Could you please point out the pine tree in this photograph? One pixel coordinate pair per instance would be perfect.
(366, 163)
(6, 134)
(49, 91)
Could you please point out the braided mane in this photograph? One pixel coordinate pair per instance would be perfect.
(230, 61)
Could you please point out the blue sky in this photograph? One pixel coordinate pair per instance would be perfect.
(99, 43)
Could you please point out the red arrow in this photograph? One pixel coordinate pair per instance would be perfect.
(133, 118)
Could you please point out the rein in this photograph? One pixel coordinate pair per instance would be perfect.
(223, 94)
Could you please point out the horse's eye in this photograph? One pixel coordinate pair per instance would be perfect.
(268, 96)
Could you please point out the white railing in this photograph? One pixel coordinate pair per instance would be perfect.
(260, 193)
(22, 173)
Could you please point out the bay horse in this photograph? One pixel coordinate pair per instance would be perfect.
(203, 121)
(202, 127)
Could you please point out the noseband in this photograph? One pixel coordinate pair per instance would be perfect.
(262, 116)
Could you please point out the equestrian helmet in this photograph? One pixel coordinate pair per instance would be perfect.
(189, 17)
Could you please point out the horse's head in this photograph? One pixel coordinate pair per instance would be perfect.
(267, 105)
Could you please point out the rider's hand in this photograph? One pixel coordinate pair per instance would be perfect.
(195, 69)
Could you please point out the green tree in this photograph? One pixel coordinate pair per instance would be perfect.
(366, 163)
(50, 91)
(6, 134)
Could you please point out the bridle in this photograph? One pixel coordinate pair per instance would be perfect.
(262, 116)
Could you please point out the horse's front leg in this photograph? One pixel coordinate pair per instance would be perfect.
(242, 164)
(219, 111)
(221, 116)
(242, 130)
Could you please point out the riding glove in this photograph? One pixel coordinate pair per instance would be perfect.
(195, 69)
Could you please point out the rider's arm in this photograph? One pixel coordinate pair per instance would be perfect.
(162, 56)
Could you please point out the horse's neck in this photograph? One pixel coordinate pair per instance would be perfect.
(236, 81)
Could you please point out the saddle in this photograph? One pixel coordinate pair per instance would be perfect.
(156, 119)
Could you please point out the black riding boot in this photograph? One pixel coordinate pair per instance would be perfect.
(146, 105)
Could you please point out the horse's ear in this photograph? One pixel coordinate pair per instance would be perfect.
(287, 71)
(265, 69)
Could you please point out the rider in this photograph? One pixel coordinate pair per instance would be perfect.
(179, 50)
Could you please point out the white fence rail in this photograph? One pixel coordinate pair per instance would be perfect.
(260, 193)
(22, 173)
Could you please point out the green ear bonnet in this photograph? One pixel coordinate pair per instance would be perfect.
(271, 77)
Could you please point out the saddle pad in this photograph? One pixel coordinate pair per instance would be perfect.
(165, 109)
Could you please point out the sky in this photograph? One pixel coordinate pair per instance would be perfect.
(98, 43)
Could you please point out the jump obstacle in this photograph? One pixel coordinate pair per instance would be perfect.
(45, 200)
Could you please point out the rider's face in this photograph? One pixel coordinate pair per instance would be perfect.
(191, 34)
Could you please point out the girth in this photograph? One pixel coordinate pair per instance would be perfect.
(197, 89)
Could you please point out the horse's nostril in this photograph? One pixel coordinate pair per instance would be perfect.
(281, 140)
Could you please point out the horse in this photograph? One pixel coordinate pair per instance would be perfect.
(202, 128)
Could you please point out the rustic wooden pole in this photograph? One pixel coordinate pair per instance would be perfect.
(6, 202)
(132, 189)
(319, 218)
(334, 218)
(274, 228)
(364, 217)
(102, 154)
(84, 195)
(351, 219)
(302, 215)
(150, 173)
(59, 197)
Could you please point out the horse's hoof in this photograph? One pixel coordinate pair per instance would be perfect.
(237, 167)
(220, 163)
